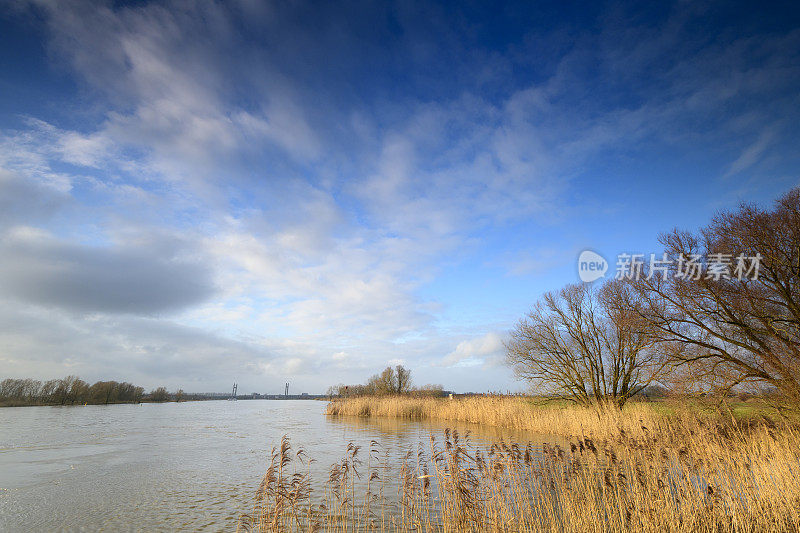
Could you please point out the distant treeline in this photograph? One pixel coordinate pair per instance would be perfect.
(392, 381)
(72, 390)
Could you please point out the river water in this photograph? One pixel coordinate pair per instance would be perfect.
(192, 466)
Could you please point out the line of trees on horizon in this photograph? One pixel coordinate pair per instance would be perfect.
(72, 390)
(391, 381)
(599, 344)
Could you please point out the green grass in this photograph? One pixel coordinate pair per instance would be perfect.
(706, 407)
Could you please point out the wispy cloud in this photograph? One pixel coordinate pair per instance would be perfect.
(750, 155)
(282, 189)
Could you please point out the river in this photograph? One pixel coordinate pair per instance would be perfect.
(191, 466)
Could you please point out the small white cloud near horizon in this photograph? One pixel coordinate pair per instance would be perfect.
(476, 351)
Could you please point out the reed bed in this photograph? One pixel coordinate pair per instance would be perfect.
(680, 474)
(513, 412)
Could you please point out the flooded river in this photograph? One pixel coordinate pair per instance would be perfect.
(191, 466)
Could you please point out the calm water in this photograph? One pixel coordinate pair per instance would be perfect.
(191, 466)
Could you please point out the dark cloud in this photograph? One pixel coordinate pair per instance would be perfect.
(156, 276)
(23, 199)
(151, 352)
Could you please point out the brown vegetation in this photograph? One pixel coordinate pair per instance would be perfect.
(639, 473)
(66, 391)
(719, 312)
(501, 411)
(736, 329)
(577, 344)
(72, 390)
(392, 381)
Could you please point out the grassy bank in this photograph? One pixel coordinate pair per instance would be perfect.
(639, 470)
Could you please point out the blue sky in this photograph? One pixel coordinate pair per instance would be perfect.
(193, 193)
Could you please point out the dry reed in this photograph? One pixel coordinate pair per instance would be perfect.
(629, 471)
(504, 411)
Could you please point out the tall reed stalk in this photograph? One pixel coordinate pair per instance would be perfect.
(620, 472)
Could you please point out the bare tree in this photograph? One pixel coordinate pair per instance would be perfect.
(104, 392)
(78, 391)
(395, 380)
(738, 328)
(581, 344)
(48, 390)
(387, 381)
(12, 389)
(430, 390)
(403, 379)
(32, 389)
(70, 389)
(159, 395)
(62, 390)
(380, 384)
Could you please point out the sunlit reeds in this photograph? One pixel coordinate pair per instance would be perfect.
(513, 412)
(665, 474)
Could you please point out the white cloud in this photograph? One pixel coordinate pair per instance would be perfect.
(751, 154)
(477, 351)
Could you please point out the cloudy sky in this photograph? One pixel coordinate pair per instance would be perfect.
(196, 193)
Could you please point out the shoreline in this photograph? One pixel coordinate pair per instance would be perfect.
(649, 468)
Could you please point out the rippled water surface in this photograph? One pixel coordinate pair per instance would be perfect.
(190, 466)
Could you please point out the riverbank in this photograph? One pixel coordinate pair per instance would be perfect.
(525, 413)
(648, 468)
